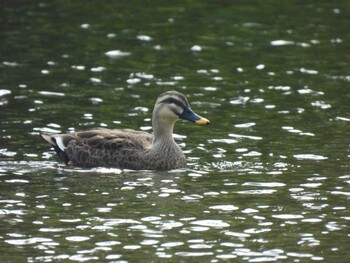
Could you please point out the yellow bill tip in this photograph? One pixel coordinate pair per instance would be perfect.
(202, 121)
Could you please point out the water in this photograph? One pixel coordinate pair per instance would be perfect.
(268, 180)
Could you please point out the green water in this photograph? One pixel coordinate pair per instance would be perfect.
(268, 179)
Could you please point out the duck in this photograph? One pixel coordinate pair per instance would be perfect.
(127, 148)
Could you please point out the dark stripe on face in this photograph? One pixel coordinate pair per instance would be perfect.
(173, 101)
(176, 96)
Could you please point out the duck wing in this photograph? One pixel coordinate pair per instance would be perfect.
(101, 147)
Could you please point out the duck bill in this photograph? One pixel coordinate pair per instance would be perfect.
(189, 115)
(202, 121)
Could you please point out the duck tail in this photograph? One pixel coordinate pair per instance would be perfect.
(60, 152)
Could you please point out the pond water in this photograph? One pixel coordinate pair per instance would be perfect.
(267, 181)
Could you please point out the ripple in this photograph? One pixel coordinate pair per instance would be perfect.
(52, 229)
(172, 244)
(10, 64)
(312, 220)
(195, 229)
(257, 100)
(263, 259)
(149, 242)
(51, 93)
(191, 197)
(237, 234)
(282, 43)
(264, 184)
(256, 230)
(98, 69)
(27, 241)
(133, 80)
(7, 153)
(309, 91)
(257, 192)
(340, 193)
(201, 246)
(299, 255)
(95, 100)
(170, 225)
(224, 207)
(117, 54)
(321, 104)
(212, 193)
(282, 88)
(300, 132)
(103, 209)
(250, 211)
(139, 227)
(211, 223)
(309, 157)
(132, 247)
(4, 92)
(245, 136)
(308, 71)
(108, 243)
(342, 119)
(151, 218)
(196, 48)
(166, 83)
(144, 38)
(82, 258)
(239, 100)
(170, 191)
(72, 220)
(210, 88)
(245, 125)
(226, 256)
(252, 154)
(194, 254)
(227, 141)
(288, 216)
(311, 185)
(114, 256)
(103, 170)
(78, 67)
(77, 238)
(118, 221)
(17, 181)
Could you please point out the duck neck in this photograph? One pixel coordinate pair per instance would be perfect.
(163, 132)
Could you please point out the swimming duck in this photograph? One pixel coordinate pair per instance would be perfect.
(130, 149)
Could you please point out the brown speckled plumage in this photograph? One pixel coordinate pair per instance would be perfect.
(130, 149)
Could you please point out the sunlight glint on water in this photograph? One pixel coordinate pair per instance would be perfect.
(267, 180)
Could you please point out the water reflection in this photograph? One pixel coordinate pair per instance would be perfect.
(160, 211)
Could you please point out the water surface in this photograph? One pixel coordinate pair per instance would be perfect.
(268, 180)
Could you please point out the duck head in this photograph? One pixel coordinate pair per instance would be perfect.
(172, 106)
